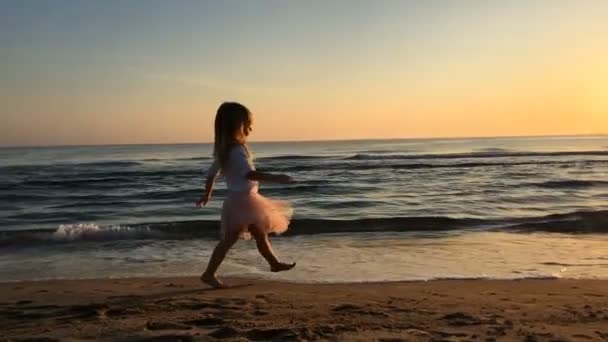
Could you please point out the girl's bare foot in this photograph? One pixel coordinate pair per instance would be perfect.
(281, 266)
(212, 281)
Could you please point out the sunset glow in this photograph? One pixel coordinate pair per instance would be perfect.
(116, 72)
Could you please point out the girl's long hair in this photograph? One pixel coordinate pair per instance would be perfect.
(230, 122)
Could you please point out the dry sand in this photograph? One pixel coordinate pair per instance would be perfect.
(183, 309)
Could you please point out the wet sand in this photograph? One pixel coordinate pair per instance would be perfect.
(182, 309)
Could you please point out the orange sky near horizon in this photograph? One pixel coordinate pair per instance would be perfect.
(449, 71)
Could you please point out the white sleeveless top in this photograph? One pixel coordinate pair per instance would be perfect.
(239, 165)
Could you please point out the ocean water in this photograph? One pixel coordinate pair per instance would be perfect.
(379, 210)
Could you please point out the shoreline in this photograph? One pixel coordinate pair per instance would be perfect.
(142, 309)
(241, 279)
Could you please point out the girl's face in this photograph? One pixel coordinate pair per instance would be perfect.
(247, 126)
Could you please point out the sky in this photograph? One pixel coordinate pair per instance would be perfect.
(127, 72)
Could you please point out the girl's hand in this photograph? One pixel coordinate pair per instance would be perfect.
(203, 201)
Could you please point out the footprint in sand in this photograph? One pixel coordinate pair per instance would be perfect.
(164, 338)
(593, 295)
(347, 307)
(117, 312)
(159, 325)
(461, 319)
(586, 337)
(356, 309)
(206, 322)
(225, 332)
(449, 334)
(280, 334)
(259, 312)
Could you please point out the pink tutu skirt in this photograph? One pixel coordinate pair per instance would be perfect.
(244, 209)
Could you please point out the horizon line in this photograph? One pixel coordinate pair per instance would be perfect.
(313, 141)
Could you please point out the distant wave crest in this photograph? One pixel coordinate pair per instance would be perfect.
(488, 153)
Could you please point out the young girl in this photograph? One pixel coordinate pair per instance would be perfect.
(245, 212)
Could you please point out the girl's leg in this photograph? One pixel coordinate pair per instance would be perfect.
(218, 255)
(264, 247)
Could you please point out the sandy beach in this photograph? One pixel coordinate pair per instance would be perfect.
(163, 309)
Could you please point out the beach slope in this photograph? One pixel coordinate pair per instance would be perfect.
(183, 309)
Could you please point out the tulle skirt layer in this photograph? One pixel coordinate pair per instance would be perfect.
(244, 209)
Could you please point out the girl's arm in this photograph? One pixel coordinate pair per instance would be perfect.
(211, 175)
(207, 192)
(269, 177)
